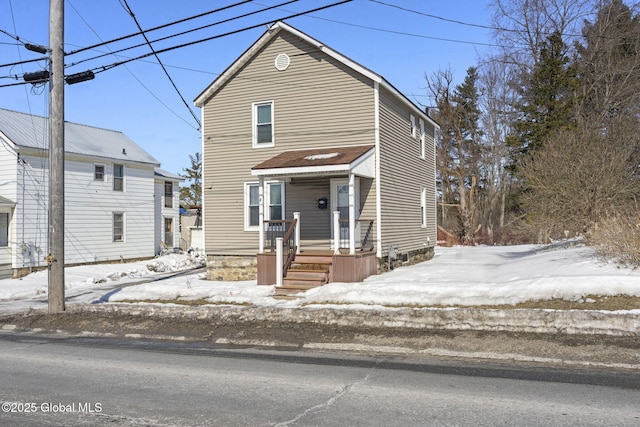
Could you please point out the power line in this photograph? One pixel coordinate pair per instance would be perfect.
(11, 64)
(162, 65)
(262, 24)
(160, 27)
(157, 98)
(183, 32)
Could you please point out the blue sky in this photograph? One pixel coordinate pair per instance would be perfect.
(401, 43)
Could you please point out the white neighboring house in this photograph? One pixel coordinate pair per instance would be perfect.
(167, 195)
(110, 203)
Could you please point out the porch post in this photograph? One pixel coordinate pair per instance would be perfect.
(296, 216)
(336, 232)
(261, 213)
(279, 261)
(352, 214)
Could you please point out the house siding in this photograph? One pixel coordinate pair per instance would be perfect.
(165, 213)
(8, 190)
(89, 208)
(403, 173)
(333, 93)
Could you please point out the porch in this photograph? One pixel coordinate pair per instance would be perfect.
(295, 265)
(327, 239)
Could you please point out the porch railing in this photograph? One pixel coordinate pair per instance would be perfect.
(286, 230)
(364, 241)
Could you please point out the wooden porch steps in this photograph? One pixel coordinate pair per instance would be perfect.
(308, 270)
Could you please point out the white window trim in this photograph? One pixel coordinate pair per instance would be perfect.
(412, 129)
(104, 172)
(8, 213)
(113, 226)
(124, 174)
(267, 202)
(171, 197)
(254, 125)
(422, 140)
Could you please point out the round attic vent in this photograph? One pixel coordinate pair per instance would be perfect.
(282, 62)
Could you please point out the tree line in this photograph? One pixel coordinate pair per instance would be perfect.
(541, 139)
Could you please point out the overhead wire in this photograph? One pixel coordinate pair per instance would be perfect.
(157, 98)
(251, 27)
(183, 32)
(162, 65)
(159, 27)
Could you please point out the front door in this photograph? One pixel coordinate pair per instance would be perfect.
(340, 203)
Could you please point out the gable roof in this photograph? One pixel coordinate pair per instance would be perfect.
(164, 174)
(270, 34)
(31, 131)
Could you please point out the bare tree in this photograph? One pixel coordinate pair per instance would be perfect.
(578, 178)
(523, 25)
(458, 150)
(498, 101)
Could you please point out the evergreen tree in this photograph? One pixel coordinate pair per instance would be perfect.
(458, 149)
(191, 194)
(610, 64)
(548, 99)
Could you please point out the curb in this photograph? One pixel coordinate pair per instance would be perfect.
(614, 323)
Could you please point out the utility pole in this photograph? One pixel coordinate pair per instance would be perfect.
(56, 157)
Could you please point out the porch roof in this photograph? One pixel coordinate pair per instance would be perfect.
(6, 202)
(320, 161)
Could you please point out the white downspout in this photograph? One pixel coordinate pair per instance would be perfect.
(376, 91)
(352, 214)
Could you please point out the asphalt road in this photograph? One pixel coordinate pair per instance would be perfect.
(48, 380)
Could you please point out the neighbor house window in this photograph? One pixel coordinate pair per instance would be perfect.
(118, 177)
(4, 229)
(263, 124)
(118, 227)
(274, 193)
(168, 194)
(168, 232)
(98, 172)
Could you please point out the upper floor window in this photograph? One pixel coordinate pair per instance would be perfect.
(263, 124)
(168, 194)
(412, 121)
(421, 139)
(118, 177)
(98, 172)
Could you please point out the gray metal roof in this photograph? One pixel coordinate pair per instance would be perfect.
(6, 202)
(27, 130)
(166, 174)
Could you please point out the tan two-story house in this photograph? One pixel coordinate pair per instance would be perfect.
(302, 143)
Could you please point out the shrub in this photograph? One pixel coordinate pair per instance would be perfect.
(617, 238)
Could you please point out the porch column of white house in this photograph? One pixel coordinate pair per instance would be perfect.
(261, 213)
(352, 214)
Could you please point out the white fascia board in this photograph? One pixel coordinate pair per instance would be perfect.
(319, 170)
(365, 165)
(332, 53)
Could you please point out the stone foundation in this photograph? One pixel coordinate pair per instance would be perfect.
(232, 268)
(413, 257)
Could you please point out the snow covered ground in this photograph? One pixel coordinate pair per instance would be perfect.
(459, 275)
